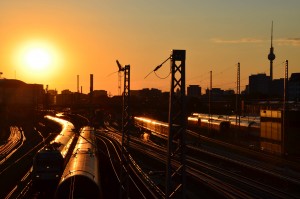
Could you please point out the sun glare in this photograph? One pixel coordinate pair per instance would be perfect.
(36, 59)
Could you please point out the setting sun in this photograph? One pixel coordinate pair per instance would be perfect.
(38, 58)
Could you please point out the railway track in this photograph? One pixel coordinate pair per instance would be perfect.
(14, 142)
(279, 186)
(138, 187)
(222, 190)
(158, 153)
(245, 152)
(249, 187)
(15, 178)
(251, 169)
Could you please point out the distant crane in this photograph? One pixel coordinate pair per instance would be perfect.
(121, 68)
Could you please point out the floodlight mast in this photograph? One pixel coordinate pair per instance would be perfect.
(124, 193)
(119, 77)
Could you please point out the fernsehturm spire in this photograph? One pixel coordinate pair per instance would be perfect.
(271, 55)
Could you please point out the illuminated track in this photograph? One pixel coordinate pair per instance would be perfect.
(206, 180)
(245, 151)
(158, 153)
(17, 169)
(139, 185)
(227, 182)
(232, 176)
(14, 142)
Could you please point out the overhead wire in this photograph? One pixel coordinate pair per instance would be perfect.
(162, 77)
(158, 67)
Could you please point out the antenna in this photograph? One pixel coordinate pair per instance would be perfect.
(272, 35)
(271, 55)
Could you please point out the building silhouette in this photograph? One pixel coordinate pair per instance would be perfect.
(193, 91)
(18, 99)
(259, 85)
(294, 87)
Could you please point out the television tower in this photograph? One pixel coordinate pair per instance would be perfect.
(271, 55)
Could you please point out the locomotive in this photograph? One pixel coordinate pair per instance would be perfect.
(50, 161)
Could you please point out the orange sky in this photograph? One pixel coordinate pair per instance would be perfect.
(86, 37)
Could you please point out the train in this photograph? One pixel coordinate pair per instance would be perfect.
(80, 178)
(160, 129)
(213, 124)
(50, 161)
(248, 125)
(217, 124)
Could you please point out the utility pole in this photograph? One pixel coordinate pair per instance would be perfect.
(238, 92)
(126, 107)
(91, 97)
(285, 100)
(286, 74)
(124, 192)
(119, 82)
(209, 102)
(77, 83)
(175, 176)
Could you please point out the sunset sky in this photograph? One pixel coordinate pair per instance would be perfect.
(51, 42)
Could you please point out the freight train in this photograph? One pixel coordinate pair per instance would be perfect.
(50, 161)
(80, 178)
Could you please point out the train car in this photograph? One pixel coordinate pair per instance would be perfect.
(49, 162)
(80, 178)
(247, 127)
(216, 125)
(205, 123)
(153, 126)
(194, 121)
